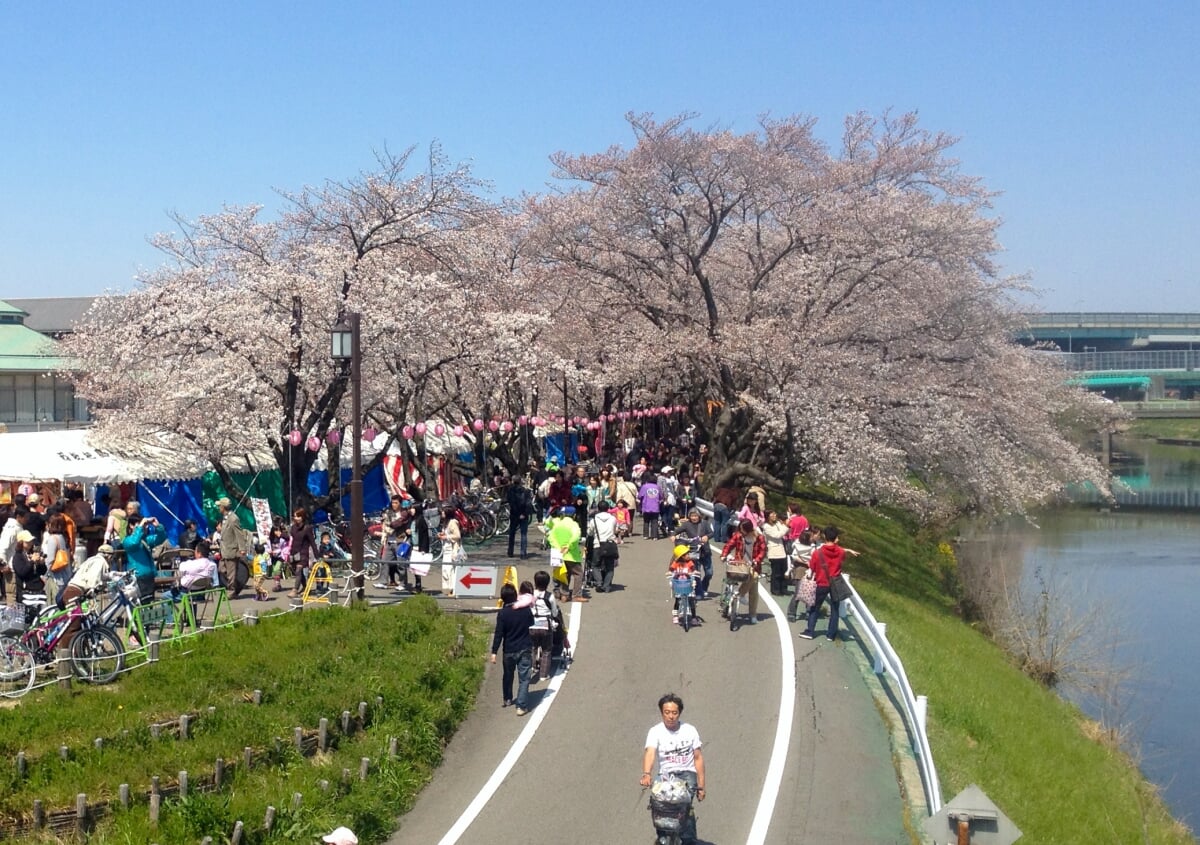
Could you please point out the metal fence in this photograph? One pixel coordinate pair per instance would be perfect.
(1148, 360)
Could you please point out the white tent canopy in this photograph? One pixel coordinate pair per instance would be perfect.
(72, 456)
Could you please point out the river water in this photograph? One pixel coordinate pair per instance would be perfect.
(1131, 579)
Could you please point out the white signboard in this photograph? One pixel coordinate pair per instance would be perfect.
(475, 581)
(262, 520)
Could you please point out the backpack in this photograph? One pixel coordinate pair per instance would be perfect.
(543, 616)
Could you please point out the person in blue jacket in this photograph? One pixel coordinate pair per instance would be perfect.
(144, 535)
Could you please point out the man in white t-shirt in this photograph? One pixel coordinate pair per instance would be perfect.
(676, 744)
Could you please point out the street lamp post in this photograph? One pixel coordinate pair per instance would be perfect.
(344, 345)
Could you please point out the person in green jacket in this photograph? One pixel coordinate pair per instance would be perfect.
(564, 535)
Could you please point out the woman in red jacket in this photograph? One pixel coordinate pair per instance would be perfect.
(826, 563)
(747, 545)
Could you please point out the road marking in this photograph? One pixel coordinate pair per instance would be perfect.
(783, 728)
(535, 718)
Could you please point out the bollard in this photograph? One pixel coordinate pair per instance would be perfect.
(269, 819)
(39, 814)
(362, 713)
(155, 730)
(152, 650)
(237, 834)
(98, 743)
(323, 734)
(155, 801)
(364, 766)
(80, 812)
(256, 696)
(298, 738)
(154, 786)
(21, 765)
(345, 777)
(183, 784)
(297, 800)
(123, 795)
(324, 785)
(346, 722)
(184, 722)
(250, 617)
(248, 757)
(392, 747)
(64, 753)
(219, 772)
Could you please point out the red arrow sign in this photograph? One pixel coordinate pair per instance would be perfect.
(471, 579)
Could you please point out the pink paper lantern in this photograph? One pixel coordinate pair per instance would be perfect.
(333, 437)
(407, 432)
(477, 425)
(420, 428)
(493, 426)
(459, 431)
(295, 437)
(506, 426)
(522, 420)
(314, 443)
(439, 429)
(369, 434)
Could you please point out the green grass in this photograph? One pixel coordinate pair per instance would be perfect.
(1179, 429)
(988, 723)
(309, 665)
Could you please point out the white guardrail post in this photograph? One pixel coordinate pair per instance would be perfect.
(914, 707)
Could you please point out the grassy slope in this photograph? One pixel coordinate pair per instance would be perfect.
(1185, 429)
(988, 723)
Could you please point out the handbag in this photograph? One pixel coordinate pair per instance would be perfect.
(61, 561)
(806, 589)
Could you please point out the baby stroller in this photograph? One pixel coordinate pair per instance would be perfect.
(560, 645)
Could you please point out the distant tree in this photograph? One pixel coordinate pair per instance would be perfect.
(842, 311)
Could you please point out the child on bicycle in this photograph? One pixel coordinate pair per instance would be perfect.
(682, 566)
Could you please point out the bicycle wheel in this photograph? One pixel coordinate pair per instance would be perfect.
(372, 567)
(18, 669)
(503, 518)
(97, 655)
(435, 548)
(733, 608)
(685, 614)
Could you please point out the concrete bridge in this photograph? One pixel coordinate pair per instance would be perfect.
(1124, 355)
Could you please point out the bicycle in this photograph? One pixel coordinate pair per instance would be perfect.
(671, 809)
(683, 586)
(730, 592)
(96, 653)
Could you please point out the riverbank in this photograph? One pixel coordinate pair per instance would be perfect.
(1038, 757)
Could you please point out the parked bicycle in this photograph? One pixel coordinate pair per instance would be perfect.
(95, 651)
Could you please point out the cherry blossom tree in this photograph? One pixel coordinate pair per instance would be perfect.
(843, 309)
(225, 351)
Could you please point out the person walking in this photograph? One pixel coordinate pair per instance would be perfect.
(677, 747)
(650, 504)
(520, 512)
(826, 564)
(302, 548)
(564, 536)
(512, 630)
(603, 529)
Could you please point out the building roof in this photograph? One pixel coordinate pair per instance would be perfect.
(55, 315)
(21, 348)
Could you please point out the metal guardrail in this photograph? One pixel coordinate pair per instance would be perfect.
(1106, 320)
(1136, 362)
(886, 660)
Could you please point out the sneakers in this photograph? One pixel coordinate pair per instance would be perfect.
(753, 620)
(674, 618)
(521, 712)
(379, 585)
(805, 635)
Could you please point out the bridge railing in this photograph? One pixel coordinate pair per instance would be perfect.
(914, 708)
(1108, 320)
(1160, 360)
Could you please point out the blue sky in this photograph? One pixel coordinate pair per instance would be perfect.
(1086, 116)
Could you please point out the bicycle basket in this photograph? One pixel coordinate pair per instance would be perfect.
(681, 586)
(12, 619)
(737, 571)
(669, 816)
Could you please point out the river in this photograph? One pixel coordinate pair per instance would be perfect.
(1132, 578)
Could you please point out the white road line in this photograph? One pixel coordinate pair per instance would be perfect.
(518, 747)
(783, 728)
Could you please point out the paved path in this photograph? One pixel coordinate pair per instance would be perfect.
(578, 755)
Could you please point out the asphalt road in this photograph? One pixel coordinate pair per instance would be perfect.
(578, 754)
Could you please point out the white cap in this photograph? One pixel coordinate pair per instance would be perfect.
(341, 836)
